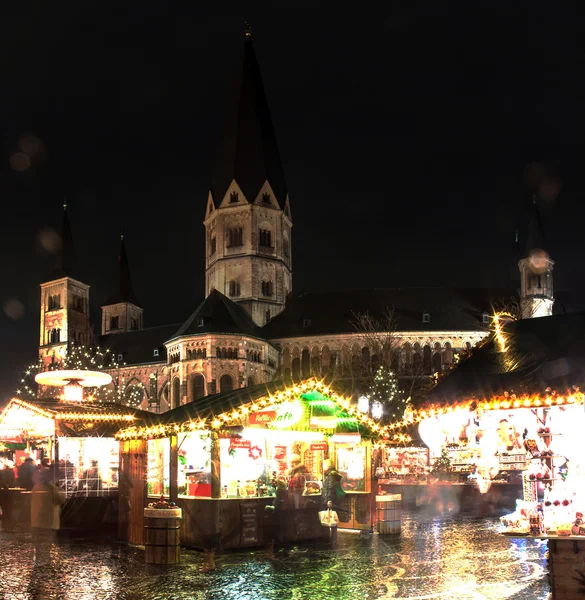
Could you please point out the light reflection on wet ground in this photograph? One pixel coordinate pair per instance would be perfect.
(456, 558)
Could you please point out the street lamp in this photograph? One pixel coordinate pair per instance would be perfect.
(363, 404)
(377, 410)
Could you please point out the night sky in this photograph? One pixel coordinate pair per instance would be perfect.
(412, 141)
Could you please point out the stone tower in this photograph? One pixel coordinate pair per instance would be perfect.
(536, 271)
(122, 312)
(64, 303)
(247, 220)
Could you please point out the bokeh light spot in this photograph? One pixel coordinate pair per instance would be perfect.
(14, 309)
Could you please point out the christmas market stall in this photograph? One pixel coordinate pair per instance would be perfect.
(223, 458)
(76, 441)
(525, 411)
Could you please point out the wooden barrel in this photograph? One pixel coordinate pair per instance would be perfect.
(162, 539)
(389, 513)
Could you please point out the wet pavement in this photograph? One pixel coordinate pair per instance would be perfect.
(435, 557)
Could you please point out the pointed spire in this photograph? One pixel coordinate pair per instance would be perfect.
(65, 263)
(535, 232)
(125, 290)
(248, 151)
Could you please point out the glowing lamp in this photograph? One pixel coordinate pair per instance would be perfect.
(73, 392)
(377, 410)
(363, 404)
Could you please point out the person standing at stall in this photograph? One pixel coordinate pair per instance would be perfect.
(45, 515)
(332, 490)
(26, 474)
(296, 482)
(7, 481)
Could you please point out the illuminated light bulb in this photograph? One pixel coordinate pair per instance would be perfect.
(548, 401)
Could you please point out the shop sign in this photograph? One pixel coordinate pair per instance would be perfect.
(279, 452)
(239, 443)
(318, 446)
(287, 414)
(263, 417)
(323, 422)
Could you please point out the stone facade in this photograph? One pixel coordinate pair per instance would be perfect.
(248, 251)
(64, 317)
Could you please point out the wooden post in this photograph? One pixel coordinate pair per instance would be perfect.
(215, 465)
(174, 469)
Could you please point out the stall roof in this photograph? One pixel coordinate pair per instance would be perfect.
(227, 410)
(76, 419)
(541, 353)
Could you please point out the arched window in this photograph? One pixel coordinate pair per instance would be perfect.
(218, 352)
(265, 238)
(197, 386)
(235, 237)
(427, 358)
(176, 393)
(114, 322)
(437, 362)
(54, 336)
(226, 383)
(267, 289)
(251, 381)
(296, 368)
(306, 363)
(233, 197)
(234, 288)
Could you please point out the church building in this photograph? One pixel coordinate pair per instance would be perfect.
(250, 328)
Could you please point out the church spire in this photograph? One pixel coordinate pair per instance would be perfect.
(65, 263)
(122, 312)
(535, 233)
(248, 152)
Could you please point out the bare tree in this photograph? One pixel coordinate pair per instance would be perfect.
(378, 349)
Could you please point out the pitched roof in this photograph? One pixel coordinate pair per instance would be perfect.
(115, 414)
(541, 352)
(218, 314)
(137, 347)
(450, 309)
(248, 151)
(125, 291)
(218, 403)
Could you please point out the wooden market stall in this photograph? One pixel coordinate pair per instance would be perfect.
(78, 441)
(222, 458)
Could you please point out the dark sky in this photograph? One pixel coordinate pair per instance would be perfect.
(412, 135)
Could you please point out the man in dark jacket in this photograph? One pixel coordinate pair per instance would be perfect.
(26, 474)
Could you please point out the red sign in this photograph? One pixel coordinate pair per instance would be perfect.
(239, 443)
(279, 452)
(319, 446)
(264, 417)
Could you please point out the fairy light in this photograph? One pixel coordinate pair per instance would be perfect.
(87, 358)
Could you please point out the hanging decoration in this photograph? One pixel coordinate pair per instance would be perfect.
(255, 452)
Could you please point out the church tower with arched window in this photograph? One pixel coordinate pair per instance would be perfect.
(247, 220)
(64, 303)
(536, 271)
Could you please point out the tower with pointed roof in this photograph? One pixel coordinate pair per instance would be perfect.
(536, 271)
(122, 312)
(248, 220)
(64, 303)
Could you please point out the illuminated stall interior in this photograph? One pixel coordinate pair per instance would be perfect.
(259, 435)
(77, 438)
